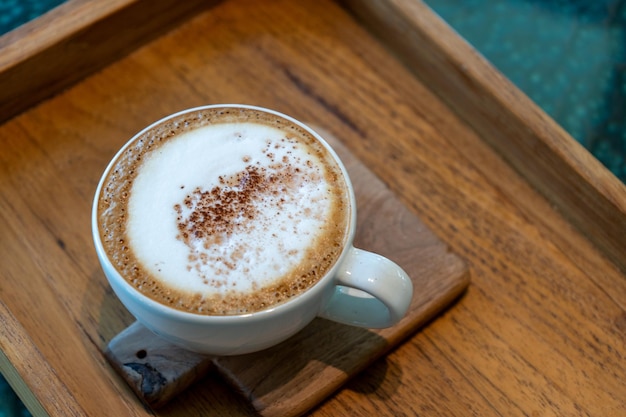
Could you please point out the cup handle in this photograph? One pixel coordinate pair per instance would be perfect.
(371, 291)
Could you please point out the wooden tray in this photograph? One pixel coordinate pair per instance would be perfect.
(539, 221)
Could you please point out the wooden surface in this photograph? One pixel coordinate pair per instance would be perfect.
(48, 54)
(293, 377)
(542, 327)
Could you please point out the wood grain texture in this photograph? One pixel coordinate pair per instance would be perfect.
(587, 193)
(50, 53)
(540, 331)
(293, 377)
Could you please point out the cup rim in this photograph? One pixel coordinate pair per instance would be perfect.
(164, 310)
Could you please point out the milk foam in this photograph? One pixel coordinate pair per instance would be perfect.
(287, 215)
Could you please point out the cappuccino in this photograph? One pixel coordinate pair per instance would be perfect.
(224, 211)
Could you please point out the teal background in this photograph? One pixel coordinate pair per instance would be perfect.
(14, 13)
(569, 56)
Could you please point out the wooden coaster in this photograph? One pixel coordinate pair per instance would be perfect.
(293, 377)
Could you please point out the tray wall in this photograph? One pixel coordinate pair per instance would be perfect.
(586, 192)
(54, 51)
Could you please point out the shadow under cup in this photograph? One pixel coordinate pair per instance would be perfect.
(355, 287)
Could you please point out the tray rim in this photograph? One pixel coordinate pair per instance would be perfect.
(586, 193)
(50, 53)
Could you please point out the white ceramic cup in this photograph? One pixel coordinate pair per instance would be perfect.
(362, 289)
